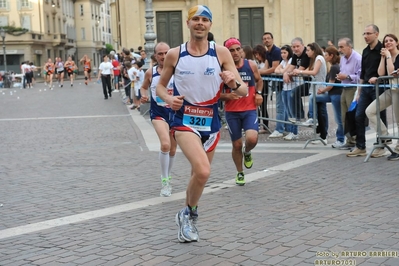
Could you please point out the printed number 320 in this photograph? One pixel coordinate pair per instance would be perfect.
(197, 121)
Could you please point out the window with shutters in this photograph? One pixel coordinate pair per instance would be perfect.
(169, 27)
(333, 20)
(26, 22)
(3, 4)
(251, 25)
(25, 3)
(3, 21)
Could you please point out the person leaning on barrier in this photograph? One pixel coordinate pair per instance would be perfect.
(388, 63)
(241, 111)
(286, 55)
(350, 68)
(318, 69)
(332, 93)
(371, 57)
(300, 60)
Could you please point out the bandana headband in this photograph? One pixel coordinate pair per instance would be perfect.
(200, 10)
(230, 42)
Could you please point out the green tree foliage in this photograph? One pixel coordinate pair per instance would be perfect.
(108, 48)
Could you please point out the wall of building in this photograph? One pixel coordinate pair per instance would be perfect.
(286, 19)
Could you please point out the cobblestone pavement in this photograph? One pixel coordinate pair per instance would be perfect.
(80, 186)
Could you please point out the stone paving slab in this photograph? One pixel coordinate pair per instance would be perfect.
(88, 154)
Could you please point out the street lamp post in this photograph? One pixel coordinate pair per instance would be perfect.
(149, 35)
(149, 45)
(3, 36)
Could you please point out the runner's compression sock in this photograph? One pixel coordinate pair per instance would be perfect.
(164, 161)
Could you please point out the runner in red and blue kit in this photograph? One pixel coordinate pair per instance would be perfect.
(241, 111)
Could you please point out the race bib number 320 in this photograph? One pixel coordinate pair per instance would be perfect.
(199, 118)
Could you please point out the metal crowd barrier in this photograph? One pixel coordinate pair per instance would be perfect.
(301, 86)
(390, 95)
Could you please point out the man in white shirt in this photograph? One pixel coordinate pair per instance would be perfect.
(106, 73)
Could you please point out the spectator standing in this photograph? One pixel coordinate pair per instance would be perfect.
(273, 58)
(350, 68)
(371, 57)
(332, 94)
(117, 71)
(260, 57)
(105, 73)
(286, 55)
(300, 61)
(318, 69)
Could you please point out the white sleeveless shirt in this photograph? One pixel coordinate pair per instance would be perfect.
(197, 77)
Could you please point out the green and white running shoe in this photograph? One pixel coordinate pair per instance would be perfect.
(248, 162)
(166, 190)
(240, 180)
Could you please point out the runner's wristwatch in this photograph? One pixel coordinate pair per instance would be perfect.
(259, 92)
(238, 85)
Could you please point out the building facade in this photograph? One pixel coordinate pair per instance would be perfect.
(312, 20)
(53, 28)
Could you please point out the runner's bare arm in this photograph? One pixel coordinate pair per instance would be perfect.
(145, 86)
(175, 102)
(230, 74)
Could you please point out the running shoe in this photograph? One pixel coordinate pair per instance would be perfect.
(187, 231)
(240, 180)
(166, 189)
(248, 162)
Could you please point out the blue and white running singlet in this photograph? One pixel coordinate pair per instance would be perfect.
(197, 79)
(159, 110)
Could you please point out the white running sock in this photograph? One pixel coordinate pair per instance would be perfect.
(164, 160)
(171, 161)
